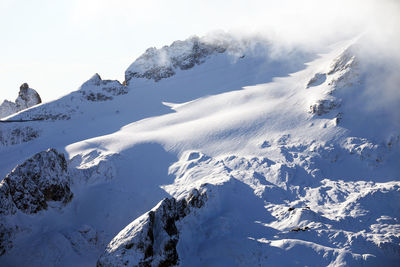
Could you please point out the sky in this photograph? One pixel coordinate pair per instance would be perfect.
(55, 46)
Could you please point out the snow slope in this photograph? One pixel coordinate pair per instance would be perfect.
(295, 163)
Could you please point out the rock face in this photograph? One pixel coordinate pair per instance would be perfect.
(7, 108)
(343, 62)
(96, 89)
(15, 134)
(27, 97)
(31, 185)
(151, 239)
(323, 106)
(156, 64)
(342, 74)
(28, 189)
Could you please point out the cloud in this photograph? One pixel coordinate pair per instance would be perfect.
(289, 21)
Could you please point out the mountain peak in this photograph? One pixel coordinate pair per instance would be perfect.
(156, 64)
(27, 97)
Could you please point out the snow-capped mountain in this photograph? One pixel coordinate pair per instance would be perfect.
(215, 151)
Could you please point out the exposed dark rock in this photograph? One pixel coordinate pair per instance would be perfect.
(96, 89)
(318, 79)
(97, 97)
(323, 106)
(298, 229)
(16, 135)
(7, 206)
(30, 186)
(27, 97)
(6, 237)
(156, 64)
(24, 86)
(151, 239)
(338, 118)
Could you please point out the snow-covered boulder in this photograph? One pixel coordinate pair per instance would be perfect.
(151, 239)
(27, 97)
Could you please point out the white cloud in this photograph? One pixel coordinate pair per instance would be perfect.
(291, 21)
(98, 32)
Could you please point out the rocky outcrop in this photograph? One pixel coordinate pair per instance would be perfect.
(323, 106)
(344, 69)
(345, 61)
(318, 79)
(29, 188)
(31, 185)
(27, 97)
(15, 134)
(156, 64)
(96, 89)
(342, 73)
(151, 239)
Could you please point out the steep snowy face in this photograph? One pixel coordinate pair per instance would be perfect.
(27, 97)
(156, 64)
(353, 90)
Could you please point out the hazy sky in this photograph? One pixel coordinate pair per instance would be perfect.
(56, 45)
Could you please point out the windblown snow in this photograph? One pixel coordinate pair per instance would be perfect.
(215, 151)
